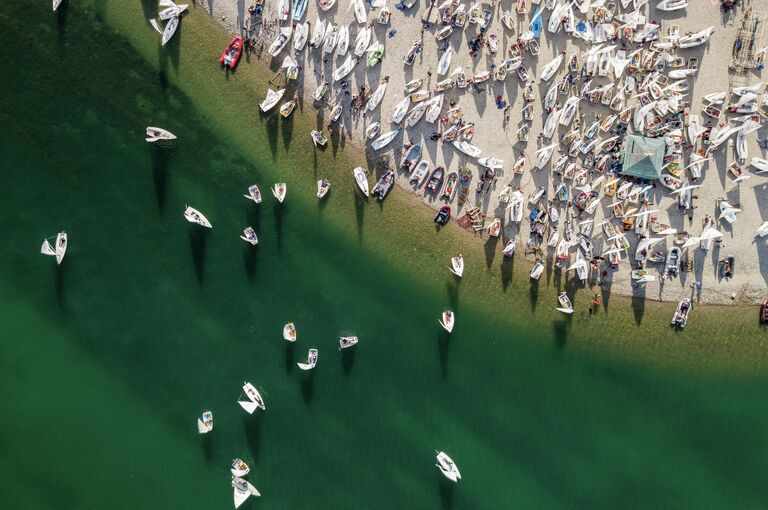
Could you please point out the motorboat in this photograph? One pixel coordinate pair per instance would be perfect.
(681, 313)
(384, 184)
(443, 215)
(318, 138)
(435, 182)
(671, 266)
(323, 186)
(273, 97)
(194, 216)
(232, 53)
(537, 270)
(289, 332)
(311, 360)
(205, 422)
(239, 468)
(254, 399)
(60, 248)
(457, 265)
(346, 342)
(361, 177)
(565, 303)
(243, 490)
(384, 139)
(448, 467)
(156, 134)
(280, 41)
(419, 173)
(411, 156)
(249, 236)
(447, 320)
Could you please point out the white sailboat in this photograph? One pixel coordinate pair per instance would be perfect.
(363, 40)
(537, 270)
(384, 139)
(448, 467)
(377, 96)
(543, 155)
(239, 468)
(447, 320)
(254, 194)
(205, 422)
(434, 109)
(56, 4)
(343, 43)
(280, 41)
(360, 15)
(59, 250)
(289, 332)
(249, 236)
(194, 216)
(254, 399)
(279, 190)
(243, 490)
(346, 342)
(271, 100)
(300, 36)
(467, 148)
(323, 185)
(156, 134)
(445, 62)
(318, 33)
(551, 68)
(345, 68)
(361, 177)
(311, 360)
(565, 303)
(457, 265)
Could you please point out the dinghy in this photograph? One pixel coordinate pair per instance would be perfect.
(680, 318)
(318, 34)
(419, 173)
(300, 35)
(445, 62)
(447, 320)
(331, 36)
(415, 115)
(299, 8)
(323, 186)
(254, 194)
(343, 44)
(239, 468)
(447, 466)
(311, 360)
(280, 41)
(543, 155)
(243, 490)
(359, 7)
(384, 140)
(551, 68)
(205, 422)
(60, 247)
(361, 177)
(372, 130)
(56, 4)
(345, 68)
(457, 265)
(363, 40)
(232, 53)
(384, 184)
(156, 134)
(411, 156)
(194, 216)
(273, 97)
(345, 342)
(537, 270)
(287, 108)
(279, 190)
(377, 96)
(435, 106)
(467, 148)
(249, 236)
(318, 138)
(254, 399)
(289, 332)
(565, 303)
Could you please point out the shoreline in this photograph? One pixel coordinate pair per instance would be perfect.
(748, 283)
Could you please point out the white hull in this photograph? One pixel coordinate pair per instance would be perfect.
(361, 178)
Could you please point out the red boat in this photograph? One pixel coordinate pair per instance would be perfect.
(231, 55)
(764, 312)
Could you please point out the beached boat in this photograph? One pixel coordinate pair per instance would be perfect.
(410, 56)
(696, 39)
(280, 41)
(445, 62)
(565, 303)
(242, 490)
(345, 68)
(311, 360)
(377, 96)
(249, 236)
(544, 154)
(549, 70)
(318, 33)
(415, 115)
(345, 342)
(273, 97)
(205, 422)
(680, 318)
(435, 181)
(343, 43)
(434, 107)
(331, 36)
(232, 53)
(194, 216)
(254, 399)
(362, 40)
(467, 148)
(419, 173)
(446, 464)
(361, 178)
(156, 134)
(447, 320)
(759, 163)
(59, 248)
(457, 265)
(372, 130)
(326, 5)
(318, 138)
(509, 249)
(300, 35)
(279, 190)
(764, 312)
(384, 139)
(287, 108)
(384, 184)
(323, 185)
(400, 110)
(411, 156)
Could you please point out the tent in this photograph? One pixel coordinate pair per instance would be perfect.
(643, 157)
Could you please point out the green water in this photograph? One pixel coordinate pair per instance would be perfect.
(106, 361)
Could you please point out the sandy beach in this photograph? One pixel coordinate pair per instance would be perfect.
(495, 132)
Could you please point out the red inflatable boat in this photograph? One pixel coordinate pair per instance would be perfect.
(231, 55)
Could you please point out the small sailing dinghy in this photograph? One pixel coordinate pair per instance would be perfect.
(243, 490)
(239, 468)
(254, 194)
(537, 270)
(565, 303)
(279, 190)
(254, 399)
(448, 467)
(446, 320)
(681, 313)
(323, 186)
(318, 138)
(457, 265)
(249, 236)
(156, 134)
(361, 177)
(345, 342)
(311, 360)
(59, 251)
(372, 130)
(271, 100)
(384, 139)
(205, 422)
(289, 332)
(194, 216)
(280, 41)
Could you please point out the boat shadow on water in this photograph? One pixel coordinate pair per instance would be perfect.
(638, 303)
(270, 124)
(58, 283)
(289, 361)
(307, 387)
(443, 349)
(446, 492)
(533, 294)
(160, 160)
(61, 26)
(206, 442)
(278, 210)
(197, 241)
(360, 203)
(490, 250)
(560, 330)
(507, 271)
(347, 360)
(252, 430)
(286, 129)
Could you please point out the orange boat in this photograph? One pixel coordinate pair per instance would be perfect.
(231, 55)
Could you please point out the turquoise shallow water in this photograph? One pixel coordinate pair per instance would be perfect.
(106, 361)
